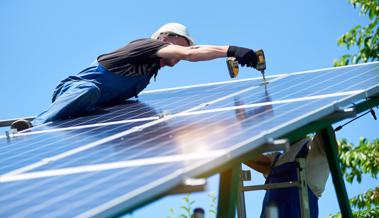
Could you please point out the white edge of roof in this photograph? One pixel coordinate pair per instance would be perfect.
(253, 78)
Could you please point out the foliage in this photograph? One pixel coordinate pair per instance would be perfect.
(212, 206)
(358, 160)
(369, 199)
(172, 213)
(366, 203)
(364, 158)
(363, 38)
(372, 213)
(187, 208)
(355, 161)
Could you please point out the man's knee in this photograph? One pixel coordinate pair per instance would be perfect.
(92, 94)
(83, 96)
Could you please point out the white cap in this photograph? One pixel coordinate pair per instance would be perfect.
(175, 28)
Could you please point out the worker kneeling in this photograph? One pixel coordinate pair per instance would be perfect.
(278, 168)
(122, 74)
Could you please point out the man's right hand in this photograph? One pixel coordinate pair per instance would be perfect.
(244, 56)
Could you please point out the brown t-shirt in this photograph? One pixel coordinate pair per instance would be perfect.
(139, 57)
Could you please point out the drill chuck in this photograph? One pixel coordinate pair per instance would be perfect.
(261, 60)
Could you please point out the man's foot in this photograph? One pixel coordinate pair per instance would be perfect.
(21, 125)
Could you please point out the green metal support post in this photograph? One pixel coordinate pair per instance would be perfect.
(228, 192)
(330, 147)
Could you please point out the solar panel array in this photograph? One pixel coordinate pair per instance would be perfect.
(113, 160)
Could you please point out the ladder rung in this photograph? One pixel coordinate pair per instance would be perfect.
(270, 186)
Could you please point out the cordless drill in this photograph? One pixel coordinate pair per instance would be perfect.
(233, 68)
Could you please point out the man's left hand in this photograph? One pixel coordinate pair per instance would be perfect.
(244, 56)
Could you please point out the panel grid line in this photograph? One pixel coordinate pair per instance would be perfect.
(118, 135)
(20, 148)
(144, 188)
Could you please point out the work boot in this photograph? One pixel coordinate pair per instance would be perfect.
(21, 125)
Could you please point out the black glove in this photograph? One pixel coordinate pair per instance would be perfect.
(244, 56)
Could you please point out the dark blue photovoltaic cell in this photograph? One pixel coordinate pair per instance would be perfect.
(213, 128)
(68, 196)
(311, 84)
(126, 111)
(152, 104)
(23, 150)
(218, 131)
(189, 134)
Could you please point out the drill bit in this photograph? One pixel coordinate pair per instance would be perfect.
(264, 77)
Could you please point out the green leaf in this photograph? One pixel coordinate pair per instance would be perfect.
(363, 38)
(185, 208)
(212, 211)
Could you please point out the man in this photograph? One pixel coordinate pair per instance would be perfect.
(282, 168)
(122, 74)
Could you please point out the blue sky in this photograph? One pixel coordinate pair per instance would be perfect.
(42, 42)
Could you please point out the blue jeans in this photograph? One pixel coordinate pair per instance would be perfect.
(287, 199)
(91, 88)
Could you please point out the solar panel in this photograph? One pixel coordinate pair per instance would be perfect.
(114, 160)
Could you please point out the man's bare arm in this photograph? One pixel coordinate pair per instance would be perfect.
(262, 164)
(193, 53)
